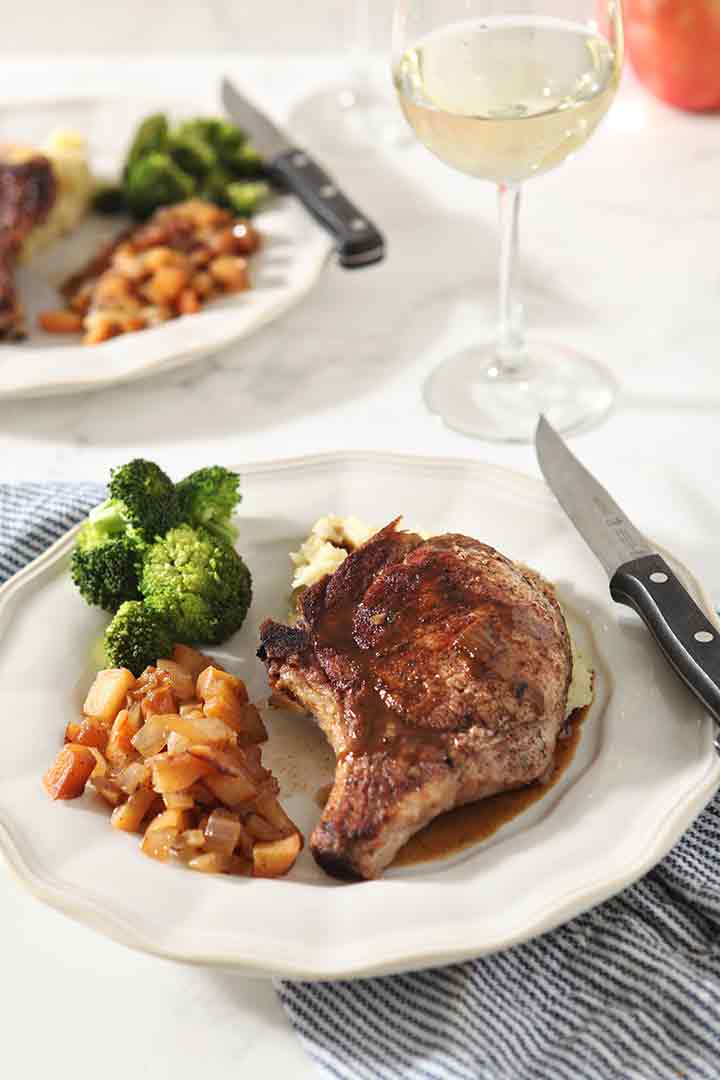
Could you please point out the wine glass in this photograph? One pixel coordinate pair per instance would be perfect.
(352, 115)
(505, 90)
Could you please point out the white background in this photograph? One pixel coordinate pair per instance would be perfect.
(166, 26)
(620, 257)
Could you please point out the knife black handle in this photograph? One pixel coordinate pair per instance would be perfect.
(689, 640)
(359, 242)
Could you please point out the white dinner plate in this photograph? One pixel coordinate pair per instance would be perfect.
(644, 768)
(294, 252)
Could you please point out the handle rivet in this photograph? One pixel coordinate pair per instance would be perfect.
(357, 224)
(703, 636)
(327, 191)
(658, 577)
(300, 160)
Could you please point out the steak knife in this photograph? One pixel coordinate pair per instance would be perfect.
(358, 242)
(639, 576)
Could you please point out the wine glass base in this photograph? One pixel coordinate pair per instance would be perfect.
(351, 117)
(472, 396)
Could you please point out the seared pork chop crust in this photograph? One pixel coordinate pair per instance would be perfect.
(27, 194)
(439, 672)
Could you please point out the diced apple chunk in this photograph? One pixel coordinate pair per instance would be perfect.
(170, 819)
(222, 832)
(157, 843)
(133, 776)
(210, 862)
(179, 800)
(129, 816)
(270, 809)
(181, 681)
(67, 776)
(212, 678)
(191, 660)
(224, 704)
(261, 829)
(152, 736)
(193, 838)
(229, 759)
(177, 744)
(158, 702)
(120, 750)
(202, 729)
(177, 771)
(231, 790)
(273, 858)
(87, 732)
(110, 790)
(107, 694)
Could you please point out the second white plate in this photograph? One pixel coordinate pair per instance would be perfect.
(294, 253)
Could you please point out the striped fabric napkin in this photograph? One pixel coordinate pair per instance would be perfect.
(628, 991)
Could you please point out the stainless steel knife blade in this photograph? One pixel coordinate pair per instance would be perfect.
(268, 138)
(358, 241)
(597, 517)
(639, 576)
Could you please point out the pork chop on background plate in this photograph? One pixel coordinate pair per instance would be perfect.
(438, 670)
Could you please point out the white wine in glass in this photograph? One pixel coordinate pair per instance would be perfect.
(504, 91)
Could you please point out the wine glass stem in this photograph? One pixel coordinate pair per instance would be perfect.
(510, 350)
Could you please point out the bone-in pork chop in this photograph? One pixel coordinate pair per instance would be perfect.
(439, 672)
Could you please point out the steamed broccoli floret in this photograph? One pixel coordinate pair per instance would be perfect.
(106, 562)
(197, 584)
(136, 637)
(156, 180)
(151, 135)
(109, 199)
(208, 497)
(144, 497)
(192, 153)
(214, 186)
(246, 196)
(246, 161)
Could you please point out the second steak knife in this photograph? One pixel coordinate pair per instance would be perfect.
(359, 243)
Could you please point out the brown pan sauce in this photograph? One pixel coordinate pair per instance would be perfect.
(469, 824)
(465, 825)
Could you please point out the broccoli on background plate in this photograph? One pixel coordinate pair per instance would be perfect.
(207, 157)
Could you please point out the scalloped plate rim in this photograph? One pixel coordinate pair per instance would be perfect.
(79, 905)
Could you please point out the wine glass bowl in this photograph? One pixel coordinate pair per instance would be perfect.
(505, 90)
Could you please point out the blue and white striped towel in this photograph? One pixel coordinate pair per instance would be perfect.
(628, 991)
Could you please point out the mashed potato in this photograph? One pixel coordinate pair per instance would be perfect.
(67, 152)
(331, 540)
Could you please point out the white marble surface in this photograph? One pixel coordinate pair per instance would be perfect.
(620, 253)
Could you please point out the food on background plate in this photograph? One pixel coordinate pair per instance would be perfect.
(438, 669)
(207, 157)
(43, 194)
(174, 264)
(160, 557)
(175, 753)
(67, 153)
